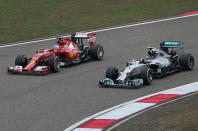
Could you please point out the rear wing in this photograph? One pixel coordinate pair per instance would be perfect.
(90, 36)
(173, 44)
(168, 46)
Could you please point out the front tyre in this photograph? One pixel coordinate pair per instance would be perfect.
(96, 52)
(112, 72)
(21, 60)
(53, 63)
(187, 61)
(147, 76)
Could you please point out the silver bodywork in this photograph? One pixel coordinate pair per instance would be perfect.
(122, 80)
(131, 66)
(162, 60)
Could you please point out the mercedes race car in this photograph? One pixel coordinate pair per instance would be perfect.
(168, 59)
(67, 51)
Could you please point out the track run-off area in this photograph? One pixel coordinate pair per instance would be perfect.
(56, 101)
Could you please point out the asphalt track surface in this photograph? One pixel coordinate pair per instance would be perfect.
(55, 101)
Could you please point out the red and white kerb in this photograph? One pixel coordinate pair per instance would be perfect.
(108, 118)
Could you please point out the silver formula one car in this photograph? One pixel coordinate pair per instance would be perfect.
(168, 59)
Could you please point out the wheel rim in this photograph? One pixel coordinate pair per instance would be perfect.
(191, 62)
(149, 76)
(100, 52)
(23, 60)
(57, 64)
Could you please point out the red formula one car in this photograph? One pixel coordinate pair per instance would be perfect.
(67, 51)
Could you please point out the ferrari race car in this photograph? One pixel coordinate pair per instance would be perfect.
(67, 51)
(168, 59)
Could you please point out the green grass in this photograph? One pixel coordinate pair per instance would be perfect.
(29, 19)
(183, 120)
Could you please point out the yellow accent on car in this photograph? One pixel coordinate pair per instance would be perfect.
(150, 47)
(71, 55)
(32, 62)
(55, 50)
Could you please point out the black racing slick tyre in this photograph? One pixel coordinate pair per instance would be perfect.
(112, 72)
(21, 60)
(187, 61)
(53, 63)
(96, 52)
(147, 76)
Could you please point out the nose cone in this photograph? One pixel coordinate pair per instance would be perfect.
(30, 66)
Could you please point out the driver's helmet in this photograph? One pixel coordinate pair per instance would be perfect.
(59, 40)
(56, 47)
(153, 53)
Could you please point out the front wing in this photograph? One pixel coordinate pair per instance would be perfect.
(20, 69)
(105, 83)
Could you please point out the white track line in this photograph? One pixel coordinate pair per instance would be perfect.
(105, 29)
(144, 23)
(28, 42)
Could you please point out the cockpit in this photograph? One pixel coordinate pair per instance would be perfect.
(154, 53)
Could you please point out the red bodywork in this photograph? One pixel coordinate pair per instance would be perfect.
(43, 54)
(66, 50)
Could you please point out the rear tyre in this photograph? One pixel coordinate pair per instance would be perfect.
(187, 61)
(53, 62)
(112, 73)
(21, 60)
(96, 52)
(147, 76)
